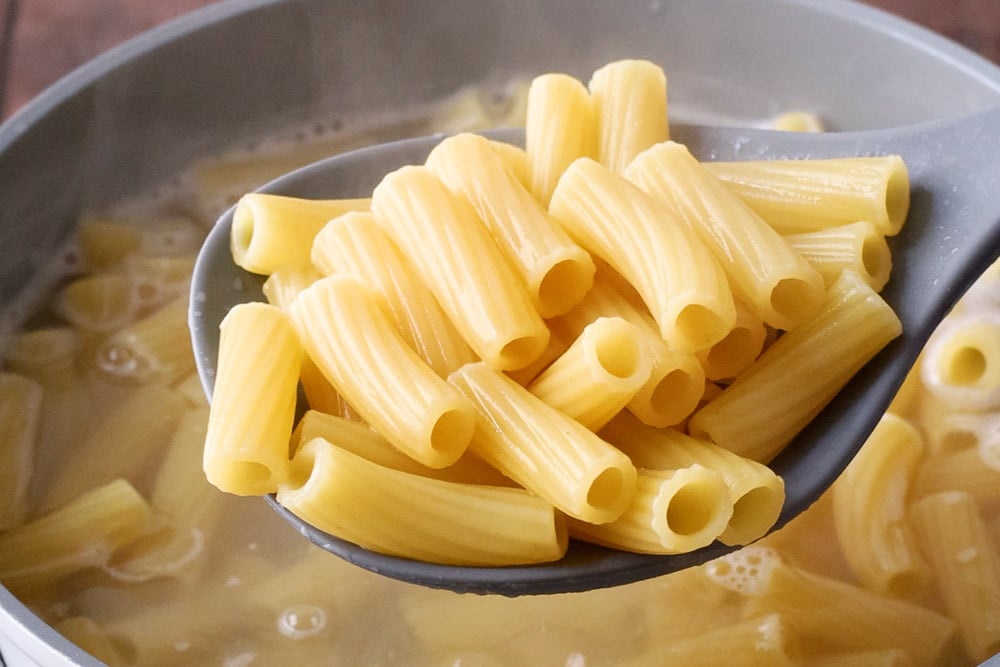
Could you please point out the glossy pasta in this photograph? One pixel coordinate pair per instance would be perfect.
(253, 402)
(679, 280)
(441, 235)
(773, 280)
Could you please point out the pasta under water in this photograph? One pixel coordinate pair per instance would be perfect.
(119, 542)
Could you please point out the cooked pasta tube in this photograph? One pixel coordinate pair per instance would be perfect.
(47, 355)
(20, 414)
(764, 641)
(408, 515)
(360, 439)
(156, 348)
(449, 246)
(544, 450)
(598, 375)
(869, 511)
(859, 246)
(350, 338)
(774, 281)
(771, 401)
(806, 195)
(516, 160)
(125, 442)
(556, 270)
(82, 533)
(353, 244)
(283, 285)
(156, 280)
(253, 402)
(321, 394)
(675, 274)
(559, 129)
(672, 512)
(272, 231)
(961, 363)
(676, 380)
(741, 346)
(797, 121)
(828, 614)
(630, 110)
(959, 470)
(98, 303)
(189, 504)
(104, 242)
(756, 493)
(966, 567)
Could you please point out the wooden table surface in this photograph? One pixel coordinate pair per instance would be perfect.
(40, 40)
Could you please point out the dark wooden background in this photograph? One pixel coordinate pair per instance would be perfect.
(43, 39)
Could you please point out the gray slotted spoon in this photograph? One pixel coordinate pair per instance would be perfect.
(951, 236)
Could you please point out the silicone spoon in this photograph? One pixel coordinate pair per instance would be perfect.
(952, 235)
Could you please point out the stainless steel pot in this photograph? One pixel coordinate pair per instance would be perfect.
(246, 68)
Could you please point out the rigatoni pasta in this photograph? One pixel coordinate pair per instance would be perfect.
(763, 409)
(630, 110)
(253, 404)
(20, 414)
(409, 515)
(806, 195)
(448, 245)
(679, 280)
(764, 271)
(543, 449)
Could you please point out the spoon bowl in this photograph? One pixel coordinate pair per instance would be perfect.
(951, 236)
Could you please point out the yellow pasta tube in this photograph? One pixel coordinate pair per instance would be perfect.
(598, 375)
(272, 231)
(829, 615)
(869, 511)
(516, 160)
(20, 414)
(672, 512)
(755, 492)
(766, 641)
(859, 246)
(283, 285)
(156, 348)
(98, 303)
(354, 244)
(321, 394)
(544, 450)
(676, 380)
(104, 242)
(559, 129)
(253, 402)
(961, 363)
(806, 195)
(47, 355)
(771, 278)
(357, 348)
(125, 442)
(966, 567)
(771, 401)
(556, 270)
(630, 108)
(453, 253)
(963, 470)
(741, 346)
(797, 121)
(82, 533)
(675, 274)
(407, 515)
(157, 280)
(360, 439)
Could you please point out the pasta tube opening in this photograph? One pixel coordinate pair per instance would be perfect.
(560, 288)
(897, 195)
(695, 507)
(607, 488)
(619, 353)
(700, 327)
(788, 295)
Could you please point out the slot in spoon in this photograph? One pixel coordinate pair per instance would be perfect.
(951, 236)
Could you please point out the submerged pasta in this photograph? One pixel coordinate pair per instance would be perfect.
(257, 594)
